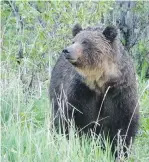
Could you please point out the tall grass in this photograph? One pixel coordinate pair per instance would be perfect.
(26, 132)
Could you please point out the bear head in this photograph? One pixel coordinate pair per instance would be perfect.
(93, 53)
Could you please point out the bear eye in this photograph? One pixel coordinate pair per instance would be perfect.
(84, 42)
(73, 42)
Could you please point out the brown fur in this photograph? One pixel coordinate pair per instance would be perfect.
(99, 82)
(104, 65)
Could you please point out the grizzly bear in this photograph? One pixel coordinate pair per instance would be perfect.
(93, 84)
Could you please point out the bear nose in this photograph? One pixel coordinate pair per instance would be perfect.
(65, 51)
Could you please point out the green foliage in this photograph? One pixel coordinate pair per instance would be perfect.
(46, 25)
(142, 47)
(141, 50)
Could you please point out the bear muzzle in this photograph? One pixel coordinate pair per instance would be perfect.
(72, 53)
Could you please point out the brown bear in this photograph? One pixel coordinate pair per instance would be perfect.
(94, 84)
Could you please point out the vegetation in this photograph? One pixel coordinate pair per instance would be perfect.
(33, 34)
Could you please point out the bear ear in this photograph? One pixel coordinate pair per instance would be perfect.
(76, 29)
(110, 33)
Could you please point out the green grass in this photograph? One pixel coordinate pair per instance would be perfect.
(27, 137)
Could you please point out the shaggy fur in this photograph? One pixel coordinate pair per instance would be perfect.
(94, 81)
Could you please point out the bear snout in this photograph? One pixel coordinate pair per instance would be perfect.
(72, 53)
(69, 55)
